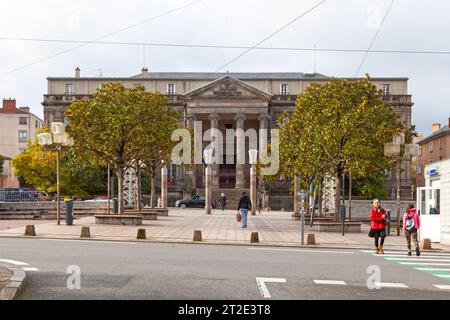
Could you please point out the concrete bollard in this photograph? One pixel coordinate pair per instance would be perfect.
(30, 231)
(197, 236)
(254, 238)
(85, 232)
(426, 244)
(141, 235)
(311, 240)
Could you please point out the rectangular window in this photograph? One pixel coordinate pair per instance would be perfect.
(430, 146)
(386, 89)
(419, 169)
(23, 136)
(22, 120)
(420, 151)
(36, 124)
(284, 89)
(68, 89)
(171, 89)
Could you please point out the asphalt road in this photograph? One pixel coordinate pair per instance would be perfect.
(119, 270)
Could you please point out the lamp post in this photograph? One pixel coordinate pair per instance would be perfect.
(208, 160)
(302, 194)
(253, 157)
(399, 150)
(60, 139)
(163, 185)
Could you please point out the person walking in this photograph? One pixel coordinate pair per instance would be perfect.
(244, 205)
(259, 202)
(223, 201)
(411, 223)
(377, 225)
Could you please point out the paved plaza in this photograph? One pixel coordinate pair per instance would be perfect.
(274, 228)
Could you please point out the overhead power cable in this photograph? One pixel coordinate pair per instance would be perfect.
(272, 34)
(103, 37)
(374, 38)
(212, 46)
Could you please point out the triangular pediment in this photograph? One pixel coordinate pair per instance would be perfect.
(227, 88)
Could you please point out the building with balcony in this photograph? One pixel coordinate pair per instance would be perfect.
(223, 101)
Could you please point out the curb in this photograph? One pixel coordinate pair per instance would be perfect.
(291, 246)
(15, 285)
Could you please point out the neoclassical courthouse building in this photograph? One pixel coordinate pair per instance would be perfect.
(224, 101)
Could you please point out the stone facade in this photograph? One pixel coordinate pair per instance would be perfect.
(222, 101)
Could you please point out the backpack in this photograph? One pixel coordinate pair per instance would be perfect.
(410, 223)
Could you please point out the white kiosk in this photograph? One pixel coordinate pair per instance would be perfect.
(433, 202)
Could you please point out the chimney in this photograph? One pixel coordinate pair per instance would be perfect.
(9, 105)
(144, 72)
(435, 127)
(77, 72)
(25, 109)
(448, 124)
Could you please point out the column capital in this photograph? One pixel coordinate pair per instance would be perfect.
(191, 116)
(239, 117)
(214, 116)
(263, 116)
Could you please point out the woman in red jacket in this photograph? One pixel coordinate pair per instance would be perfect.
(377, 225)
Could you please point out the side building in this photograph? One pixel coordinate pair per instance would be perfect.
(225, 101)
(18, 128)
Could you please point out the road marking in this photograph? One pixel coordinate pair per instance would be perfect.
(442, 286)
(30, 269)
(14, 262)
(403, 253)
(411, 257)
(442, 275)
(428, 264)
(331, 282)
(262, 285)
(299, 250)
(418, 259)
(433, 269)
(390, 285)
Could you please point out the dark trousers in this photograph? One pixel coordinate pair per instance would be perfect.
(379, 237)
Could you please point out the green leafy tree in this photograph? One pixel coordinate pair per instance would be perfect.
(337, 127)
(37, 167)
(113, 127)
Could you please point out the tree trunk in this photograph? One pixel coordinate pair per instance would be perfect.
(316, 189)
(350, 198)
(153, 191)
(121, 208)
(320, 197)
(138, 187)
(337, 199)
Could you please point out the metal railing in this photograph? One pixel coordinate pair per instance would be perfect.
(20, 196)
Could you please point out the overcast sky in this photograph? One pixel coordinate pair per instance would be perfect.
(343, 24)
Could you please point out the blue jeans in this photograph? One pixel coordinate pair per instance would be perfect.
(244, 213)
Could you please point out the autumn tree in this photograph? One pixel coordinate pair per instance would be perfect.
(337, 127)
(113, 127)
(37, 167)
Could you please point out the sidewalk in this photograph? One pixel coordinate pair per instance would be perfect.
(11, 282)
(274, 228)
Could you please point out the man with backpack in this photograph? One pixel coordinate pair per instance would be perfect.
(411, 223)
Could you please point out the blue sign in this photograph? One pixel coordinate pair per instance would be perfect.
(431, 172)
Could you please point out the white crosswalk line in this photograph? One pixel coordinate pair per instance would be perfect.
(30, 269)
(433, 269)
(442, 275)
(427, 263)
(419, 259)
(14, 262)
(442, 286)
(331, 282)
(410, 257)
(390, 285)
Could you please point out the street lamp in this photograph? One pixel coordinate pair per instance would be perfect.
(60, 139)
(208, 153)
(399, 150)
(253, 157)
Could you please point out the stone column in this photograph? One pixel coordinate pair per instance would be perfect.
(190, 176)
(208, 190)
(253, 189)
(240, 150)
(263, 139)
(214, 118)
(164, 187)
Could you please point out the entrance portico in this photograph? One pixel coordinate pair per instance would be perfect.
(225, 104)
